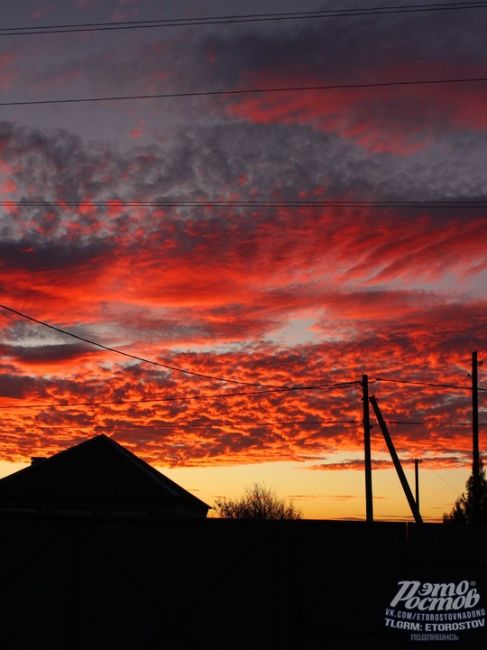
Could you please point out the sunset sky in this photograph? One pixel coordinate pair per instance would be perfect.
(265, 296)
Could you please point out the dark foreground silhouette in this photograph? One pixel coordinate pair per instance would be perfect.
(99, 551)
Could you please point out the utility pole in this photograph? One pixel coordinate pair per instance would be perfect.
(475, 440)
(416, 462)
(397, 463)
(369, 512)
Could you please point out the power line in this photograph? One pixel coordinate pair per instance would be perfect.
(149, 361)
(238, 18)
(202, 425)
(115, 203)
(430, 384)
(248, 91)
(184, 425)
(439, 425)
(443, 479)
(183, 398)
(132, 356)
(406, 422)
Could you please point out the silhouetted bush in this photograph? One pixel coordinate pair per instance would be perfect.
(258, 502)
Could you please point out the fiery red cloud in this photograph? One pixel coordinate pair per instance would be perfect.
(242, 428)
(278, 296)
(236, 288)
(208, 262)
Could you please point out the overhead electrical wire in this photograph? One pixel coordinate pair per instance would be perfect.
(202, 425)
(183, 398)
(184, 425)
(443, 479)
(439, 425)
(166, 366)
(182, 203)
(269, 387)
(108, 348)
(249, 91)
(200, 21)
(425, 383)
(23, 31)
(407, 422)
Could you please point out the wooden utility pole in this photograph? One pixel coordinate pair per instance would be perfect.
(369, 511)
(397, 464)
(475, 440)
(416, 462)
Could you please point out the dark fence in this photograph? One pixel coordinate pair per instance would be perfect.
(74, 583)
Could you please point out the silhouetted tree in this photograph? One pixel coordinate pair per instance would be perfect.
(258, 502)
(463, 509)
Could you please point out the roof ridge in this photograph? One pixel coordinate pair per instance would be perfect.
(148, 469)
(90, 469)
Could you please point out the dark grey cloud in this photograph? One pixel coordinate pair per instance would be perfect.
(31, 254)
(250, 161)
(47, 353)
(346, 47)
(327, 48)
(211, 58)
(16, 386)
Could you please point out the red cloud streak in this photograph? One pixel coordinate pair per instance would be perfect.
(382, 120)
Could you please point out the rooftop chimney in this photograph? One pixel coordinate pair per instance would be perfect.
(37, 459)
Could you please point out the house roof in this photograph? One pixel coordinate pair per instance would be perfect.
(98, 468)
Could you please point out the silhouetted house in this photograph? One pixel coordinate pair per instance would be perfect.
(98, 476)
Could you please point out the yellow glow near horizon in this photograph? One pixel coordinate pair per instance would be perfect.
(319, 494)
(322, 494)
(7, 467)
